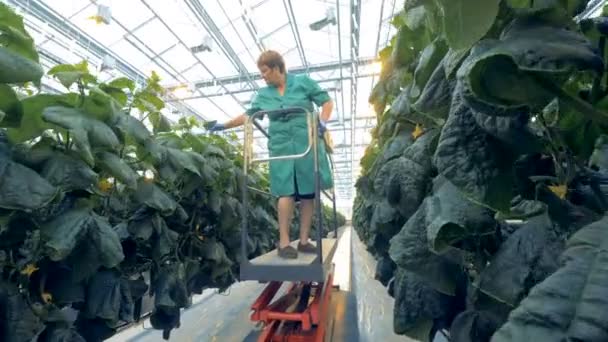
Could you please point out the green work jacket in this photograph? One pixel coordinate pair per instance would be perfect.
(289, 135)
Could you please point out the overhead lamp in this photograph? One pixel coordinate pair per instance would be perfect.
(330, 18)
(107, 63)
(103, 16)
(205, 46)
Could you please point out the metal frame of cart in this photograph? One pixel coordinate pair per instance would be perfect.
(299, 315)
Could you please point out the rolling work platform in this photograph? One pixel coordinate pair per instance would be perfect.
(302, 313)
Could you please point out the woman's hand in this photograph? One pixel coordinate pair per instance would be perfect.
(322, 128)
(217, 127)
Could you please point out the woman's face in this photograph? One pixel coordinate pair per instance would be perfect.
(271, 76)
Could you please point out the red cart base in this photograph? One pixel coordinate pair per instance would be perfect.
(298, 316)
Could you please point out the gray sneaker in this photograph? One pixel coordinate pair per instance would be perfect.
(287, 252)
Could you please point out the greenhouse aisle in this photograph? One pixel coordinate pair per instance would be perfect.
(225, 317)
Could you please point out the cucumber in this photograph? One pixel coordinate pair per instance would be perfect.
(17, 69)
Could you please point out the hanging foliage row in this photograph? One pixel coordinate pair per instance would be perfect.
(483, 194)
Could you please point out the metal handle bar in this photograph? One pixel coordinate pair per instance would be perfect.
(312, 134)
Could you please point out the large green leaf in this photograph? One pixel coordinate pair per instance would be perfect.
(32, 124)
(68, 74)
(160, 123)
(22, 188)
(15, 68)
(452, 218)
(181, 160)
(86, 131)
(130, 127)
(14, 36)
(117, 94)
(417, 306)
(154, 197)
(513, 131)
(101, 105)
(403, 52)
(404, 181)
(165, 240)
(507, 74)
(10, 107)
(384, 224)
(467, 21)
(68, 173)
(122, 83)
(117, 167)
(19, 320)
(474, 162)
(68, 230)
(410, 250)
(108, 298)
(528, 256)
(61, 234)
(105, 241)
(430, 57)
(143, 228)
(573, 7)
(434, 101)
(569, 304)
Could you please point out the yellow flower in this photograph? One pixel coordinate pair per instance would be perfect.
(29, 270)
(104, 185)
(96, 18)
(417, 131)
(559, 190)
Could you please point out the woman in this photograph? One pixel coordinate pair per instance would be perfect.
(290, 180)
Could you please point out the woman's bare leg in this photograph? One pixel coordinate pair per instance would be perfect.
(307, 207)
(285, 207)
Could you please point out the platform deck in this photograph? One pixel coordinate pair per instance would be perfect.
(271, 267)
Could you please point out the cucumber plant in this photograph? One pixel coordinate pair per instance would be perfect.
(483, 194)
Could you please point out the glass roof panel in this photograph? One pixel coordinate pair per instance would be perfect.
(131, 54)
(178, 56)
(242, 43)
(180, 19)
(269, 16)
(155, 36)
(130, 14)
(196, 73)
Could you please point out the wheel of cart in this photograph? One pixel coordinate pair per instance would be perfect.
(301, 314)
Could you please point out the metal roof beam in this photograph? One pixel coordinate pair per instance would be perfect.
(299, 70)
(295, 32)
(355, 23)
(251, 27)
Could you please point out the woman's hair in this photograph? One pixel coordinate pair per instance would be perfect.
(272, 59)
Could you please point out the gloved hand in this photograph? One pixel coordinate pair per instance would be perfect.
(322, 128)
(215, 126)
